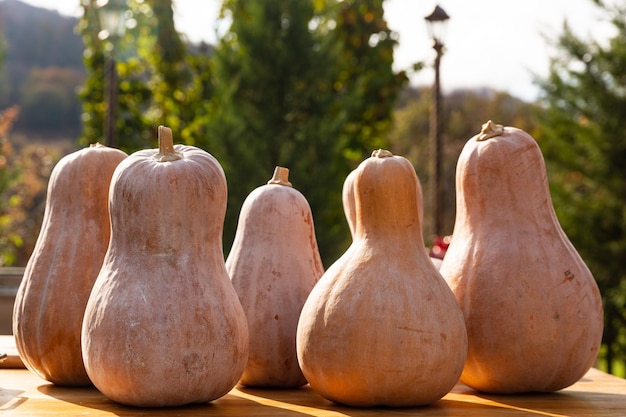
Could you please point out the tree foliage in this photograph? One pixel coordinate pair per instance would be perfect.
(303, 84)
(159, 81)
(9, 239)
(24, 174)
(583, 137)
(308, 86)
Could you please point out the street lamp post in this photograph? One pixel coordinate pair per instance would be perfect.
(113, 23)
(436, 24)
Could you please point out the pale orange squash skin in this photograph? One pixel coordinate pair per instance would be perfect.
(163, 325)
(349, 207)
(347, 199)
(274, 264)
(532, 308)
(65, 262)
(381, 327)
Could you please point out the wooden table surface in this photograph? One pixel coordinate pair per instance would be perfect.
(597, 394)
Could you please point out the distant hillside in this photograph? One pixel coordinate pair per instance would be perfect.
(42, 67)
(39, 37)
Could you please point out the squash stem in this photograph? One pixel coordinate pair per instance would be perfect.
(166, 146)
(280, 177)
(382, 153)
(490, 130)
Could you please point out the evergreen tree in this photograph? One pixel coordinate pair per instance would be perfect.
(583, 137)
(305, 85)
(179, 78)
(172, 78)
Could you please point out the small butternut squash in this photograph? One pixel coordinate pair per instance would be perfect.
(163, 325)
(532, 308)
(381, 327)
(274, 264)
(51, 299)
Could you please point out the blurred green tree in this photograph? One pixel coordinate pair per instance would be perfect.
(583, 136)
(303, 84)
(159, 80)
(180, 77)
(307, 85)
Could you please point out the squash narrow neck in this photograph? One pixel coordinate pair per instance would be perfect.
(387, 198)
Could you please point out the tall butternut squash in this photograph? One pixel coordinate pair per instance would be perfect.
(274, 264)
(532, 308)
(163, 325)
(51, 299)
(381, 327)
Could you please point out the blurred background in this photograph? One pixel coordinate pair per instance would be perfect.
(315, 86)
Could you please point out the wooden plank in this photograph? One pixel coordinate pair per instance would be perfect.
(597, 394)
(10, 278)
(7, 345)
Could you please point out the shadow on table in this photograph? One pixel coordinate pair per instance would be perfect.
(306, 398)
(10, 399)
(574, 403)
(228, 405)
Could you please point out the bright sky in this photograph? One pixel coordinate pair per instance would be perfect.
(489, 43)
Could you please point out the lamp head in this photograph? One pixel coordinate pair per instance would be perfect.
(436, 23)
(112, 18)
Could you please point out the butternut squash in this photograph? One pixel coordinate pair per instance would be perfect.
(51, 299)
(163, 325)
(274, 264)
(381, 327)
(532, 307)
